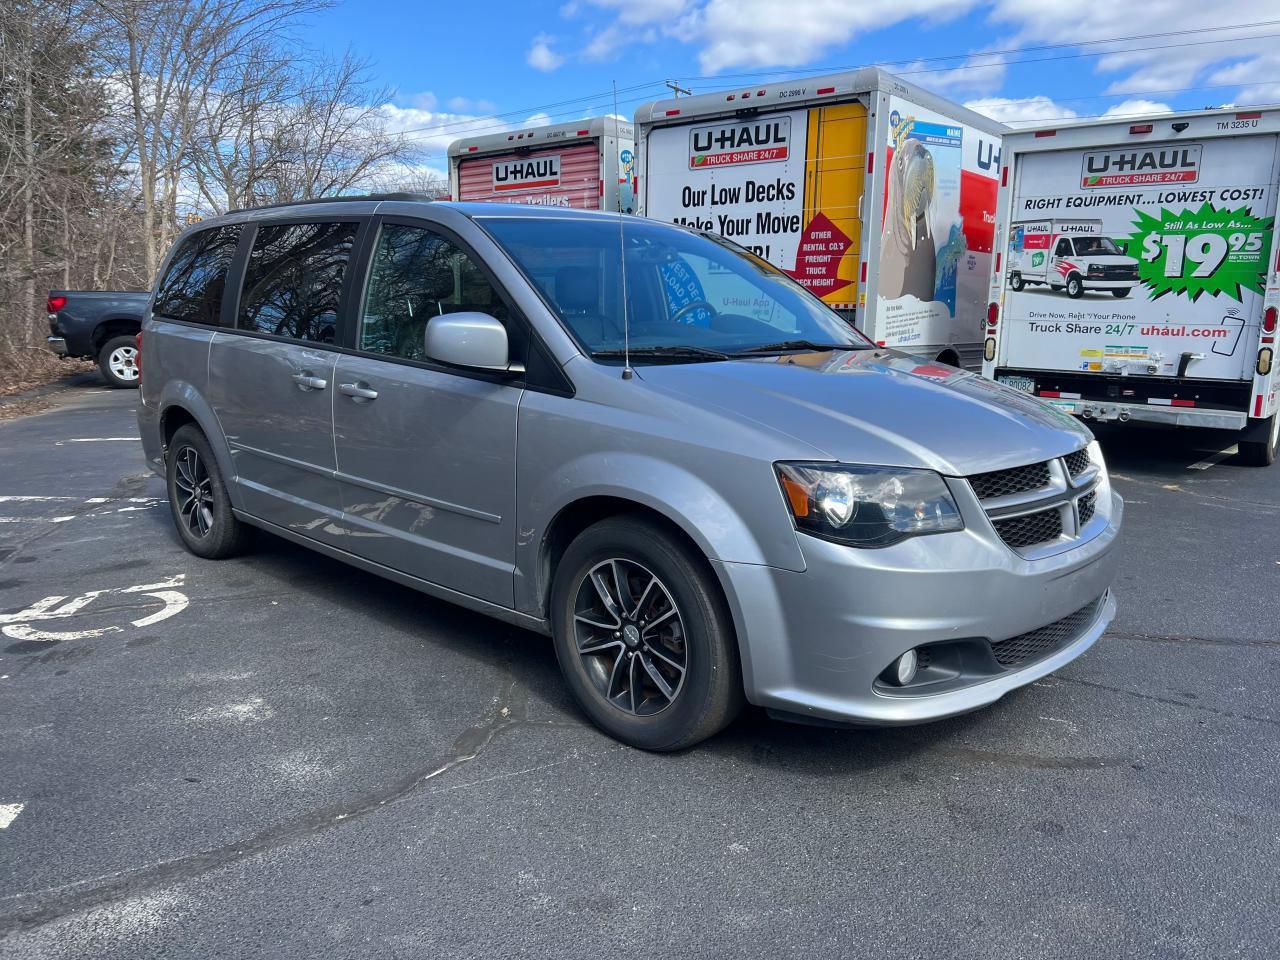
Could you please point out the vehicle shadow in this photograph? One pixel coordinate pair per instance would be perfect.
(1147, 447)
(527, 663)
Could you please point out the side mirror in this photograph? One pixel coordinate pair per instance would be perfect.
(473, 340)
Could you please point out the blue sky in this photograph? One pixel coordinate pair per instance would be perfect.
(465, 68)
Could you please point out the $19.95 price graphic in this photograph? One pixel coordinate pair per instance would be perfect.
(1202, 251)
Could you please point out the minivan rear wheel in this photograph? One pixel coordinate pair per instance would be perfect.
(643, 636)
(198, 498)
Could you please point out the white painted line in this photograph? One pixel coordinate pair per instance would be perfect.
(36, 519)
(1214, 458)
(8, 813)
(58, 443)
(24, 499)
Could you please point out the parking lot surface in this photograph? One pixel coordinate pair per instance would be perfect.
(282, 756)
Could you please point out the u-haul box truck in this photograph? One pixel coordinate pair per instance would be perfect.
(586, 165)
(876, 195)
(1070, 255)
(1137, 275)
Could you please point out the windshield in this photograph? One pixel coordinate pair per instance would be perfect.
(688, 295)
(1094, 245)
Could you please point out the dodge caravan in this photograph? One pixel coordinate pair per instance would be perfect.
(639, 439)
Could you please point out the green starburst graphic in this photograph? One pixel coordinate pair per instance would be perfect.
(1194, 252)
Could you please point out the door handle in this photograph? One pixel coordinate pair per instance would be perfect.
(358, 391)
(307, 381)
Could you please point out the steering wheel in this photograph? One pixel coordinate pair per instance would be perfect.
(690, 307)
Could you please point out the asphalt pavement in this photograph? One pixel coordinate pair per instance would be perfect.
(280, 756)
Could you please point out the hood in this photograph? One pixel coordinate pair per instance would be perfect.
(878, 407)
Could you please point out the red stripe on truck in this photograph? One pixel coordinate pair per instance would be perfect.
(1257, 405)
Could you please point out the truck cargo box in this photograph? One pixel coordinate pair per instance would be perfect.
(585, 165)
(876, 195)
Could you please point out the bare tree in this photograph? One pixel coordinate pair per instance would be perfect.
(285, 131)
(173, 57)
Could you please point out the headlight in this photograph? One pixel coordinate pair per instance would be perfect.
(867, 506)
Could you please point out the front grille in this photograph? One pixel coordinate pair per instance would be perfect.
(1077, 463)
(1002, 483)
(1086, 506)
(1037, 644)
(1030, 528)
(1113, 272)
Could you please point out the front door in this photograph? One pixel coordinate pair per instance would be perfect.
(426, 454)
(271, 379)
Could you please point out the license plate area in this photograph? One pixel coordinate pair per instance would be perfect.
(1025, 384)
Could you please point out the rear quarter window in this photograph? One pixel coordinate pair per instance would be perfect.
(193, 284)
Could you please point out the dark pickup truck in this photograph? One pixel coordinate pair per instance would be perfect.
(99, 325)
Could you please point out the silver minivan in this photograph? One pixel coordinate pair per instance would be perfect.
(639, 439)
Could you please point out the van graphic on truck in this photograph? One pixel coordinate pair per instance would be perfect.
(1071, 255)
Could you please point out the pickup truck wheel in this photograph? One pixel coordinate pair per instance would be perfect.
(1262, 453)
(1015, 282)
(1075, 288)
(643, 637)
(198, 498)
(118, 361)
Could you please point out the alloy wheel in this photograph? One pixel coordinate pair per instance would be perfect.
(195, 493)
(123, 362)
(631, 637)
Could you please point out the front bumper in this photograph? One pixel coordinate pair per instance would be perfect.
(814, 643)
(57, 344)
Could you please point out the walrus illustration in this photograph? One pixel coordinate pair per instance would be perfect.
(907, 260)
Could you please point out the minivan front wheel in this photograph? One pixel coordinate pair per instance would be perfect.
(198, 498)
(643, 637)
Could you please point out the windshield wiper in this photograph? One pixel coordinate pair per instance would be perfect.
(784, 346)
(672, 352)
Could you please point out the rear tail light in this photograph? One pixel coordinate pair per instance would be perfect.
(993, 314)
(54, 304)
(137, 357)
(1268, 320)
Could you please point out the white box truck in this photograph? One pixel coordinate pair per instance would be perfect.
(876, 195)
(1136, 277)
(1070, 255)
(585, 165)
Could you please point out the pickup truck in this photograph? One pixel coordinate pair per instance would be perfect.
(99, 325)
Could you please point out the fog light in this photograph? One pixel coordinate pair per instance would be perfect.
(903, 670)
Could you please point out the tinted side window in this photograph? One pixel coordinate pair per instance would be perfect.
(417, 274)
(1064, 248)
(293, 283)
(192, 286)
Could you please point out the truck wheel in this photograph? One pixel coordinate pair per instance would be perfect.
(118, 361)
(1075, 287)
(1120, 294)
(643, 637)
(1015, 282)
(1262, 453)
(198, 498)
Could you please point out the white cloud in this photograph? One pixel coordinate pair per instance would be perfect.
(1137, 108)
(467, 105)
(979, 73)
(541, 56)
(1168, 63)
(760, 33)
(1021, 111)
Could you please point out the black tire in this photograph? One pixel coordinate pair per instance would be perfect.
(118, 361)
(708, 694)
(1055, 287)
(205, 524)
(1262, 453)
(1120, 294)
(1075, 287)
(1015, 282)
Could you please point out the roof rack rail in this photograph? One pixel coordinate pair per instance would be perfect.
(341, 199)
